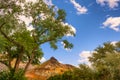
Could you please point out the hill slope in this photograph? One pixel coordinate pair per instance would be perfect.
(47, 69)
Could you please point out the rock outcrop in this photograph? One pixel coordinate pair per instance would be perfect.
(47, 69)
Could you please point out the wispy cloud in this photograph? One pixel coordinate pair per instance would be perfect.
(80, 9)
(114, 43)
(113, 23)
(42, 60)
(111, 3)
(84, 57)
(48, 2)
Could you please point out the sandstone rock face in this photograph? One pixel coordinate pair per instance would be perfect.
(47, 69)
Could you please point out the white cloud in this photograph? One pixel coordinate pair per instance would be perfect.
(110, 3)
(72, 29)
(84, 57)
(48, 2)
(1, 12)
(31, 1)
(61, 62)
(113, 23)
(80, 9)
(27, 21)
(42, 60)
(114, 42)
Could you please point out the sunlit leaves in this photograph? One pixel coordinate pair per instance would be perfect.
(105, 60)
(61, 15)
(22, 44)
(67, 45)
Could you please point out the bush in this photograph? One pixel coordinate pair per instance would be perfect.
(8, 75)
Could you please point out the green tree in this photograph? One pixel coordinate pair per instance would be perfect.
(105, 65)
(17, 42)
(105, 61)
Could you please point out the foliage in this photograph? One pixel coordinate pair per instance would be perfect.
(105, 65)
(19, 43)
(65, 76)
(84, 72)
(7, 75)
(105, 60)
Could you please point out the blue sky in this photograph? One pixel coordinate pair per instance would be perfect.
(95, 21)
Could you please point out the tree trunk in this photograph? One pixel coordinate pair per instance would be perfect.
(16, 66)
(27, 65)
(29, 62)
(30, 59)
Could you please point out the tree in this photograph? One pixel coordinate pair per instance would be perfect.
(105, 65)
(24, 45)
(105, 61)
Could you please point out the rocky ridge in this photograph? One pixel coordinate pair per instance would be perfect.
(47, 69)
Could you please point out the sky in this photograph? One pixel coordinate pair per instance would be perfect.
(95, 21)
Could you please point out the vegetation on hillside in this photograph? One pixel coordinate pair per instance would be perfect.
(105, 65)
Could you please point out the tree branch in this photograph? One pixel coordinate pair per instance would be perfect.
(9, 39)
(2, 25)
(19, 56)
(47, 40)
(30, 59)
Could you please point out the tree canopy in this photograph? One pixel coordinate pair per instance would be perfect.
(25, 26)
(105, 65)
